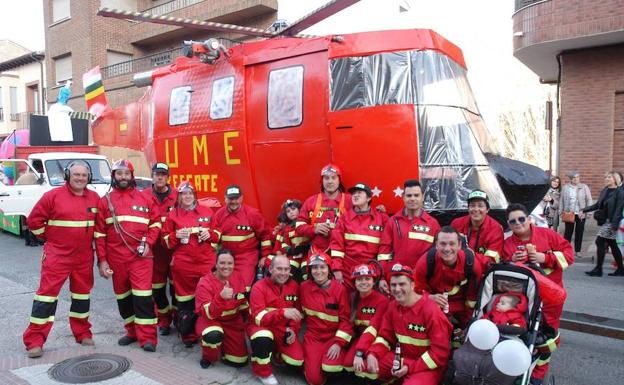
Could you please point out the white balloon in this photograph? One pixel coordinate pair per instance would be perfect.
(483, 334)
(511, 357)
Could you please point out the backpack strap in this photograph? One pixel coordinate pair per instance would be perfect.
(431, 262)
(317, 208)
(341, 205)
(469, 265)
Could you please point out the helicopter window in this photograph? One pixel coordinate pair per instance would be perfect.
(222, 98)
(285, 98)
(180, 105)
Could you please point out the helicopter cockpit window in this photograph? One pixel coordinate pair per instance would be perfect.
(285, 97)
(222, 98)
(180, 105)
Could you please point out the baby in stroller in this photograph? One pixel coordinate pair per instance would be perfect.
(508, 309)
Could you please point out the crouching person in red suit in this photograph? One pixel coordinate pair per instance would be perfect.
(325, 303)
(415, 327)
(220, 302)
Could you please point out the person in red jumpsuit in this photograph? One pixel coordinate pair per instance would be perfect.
(127, 226)
(368, 308)
(220, 303)
(554, 254)
(450, 283)
(275, 321)
(320, 212)
(189, 234)
(288, 242)
(65, 218)
(409, 233)
(414, 324)
(482, 233)
(243, 231)
(165, 197)
(325, 303)
(357, 235)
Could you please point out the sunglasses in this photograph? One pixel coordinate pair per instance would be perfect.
(519, 220)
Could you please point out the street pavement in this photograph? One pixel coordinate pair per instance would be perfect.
(582, 359)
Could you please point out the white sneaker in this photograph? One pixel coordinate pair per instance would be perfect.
(270, 380)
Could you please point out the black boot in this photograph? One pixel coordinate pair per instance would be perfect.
(596, 272)
(619, 272)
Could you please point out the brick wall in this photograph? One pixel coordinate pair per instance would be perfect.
(590, 112)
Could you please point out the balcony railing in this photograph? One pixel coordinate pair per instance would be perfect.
(1, 114)
(171, 6)
(527, 3)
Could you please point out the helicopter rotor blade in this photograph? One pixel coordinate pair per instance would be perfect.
(317, 16)
(180, 22)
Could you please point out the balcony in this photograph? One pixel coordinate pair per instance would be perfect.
(13, 121)
(170, 6)
(521, 4)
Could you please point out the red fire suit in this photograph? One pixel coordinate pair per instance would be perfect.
(241, 233)
(404, 240)
(220, 321)
(486, 242)
(320, 209)
(423, 333)
(267, 325)
(513, 317)
(288, 242)
(327, 312)
(66, 221)
(368, 317)
(355, 240)
(162, 261)
(132, 274)
(190, 261)
(462, 292)
(559, 255)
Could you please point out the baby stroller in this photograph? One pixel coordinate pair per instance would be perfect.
(472, 366)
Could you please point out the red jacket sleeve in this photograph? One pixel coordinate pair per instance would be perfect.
(101, 229)
(263, 233)
(385, 246)
(337, 244)
(209, 302)
(561, 255)
(155, 225)
(39, 216)
(345, 327)
(303, 225)
(420, 273)
(370, 333)
(169, 233)
(261, 314)
(439, 334)
(386, 339)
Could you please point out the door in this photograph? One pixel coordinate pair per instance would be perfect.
(19, 198)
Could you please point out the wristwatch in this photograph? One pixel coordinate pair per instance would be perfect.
(359, 354)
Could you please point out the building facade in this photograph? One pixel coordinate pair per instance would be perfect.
(579, 45)
(78, 40)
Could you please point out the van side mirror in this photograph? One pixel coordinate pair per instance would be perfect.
(40, 178)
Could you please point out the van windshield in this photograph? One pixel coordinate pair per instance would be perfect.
(99, 168)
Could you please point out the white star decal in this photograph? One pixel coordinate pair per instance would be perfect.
(398, 192)
(376, 191)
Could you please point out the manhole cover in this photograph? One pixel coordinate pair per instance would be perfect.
(91, 368)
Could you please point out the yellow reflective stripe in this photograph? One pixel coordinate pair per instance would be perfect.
(184, 298)
(213, 346)
(97, 234)
(41, 321)
(298, 240)
(163, 219)
(413, 341)
(381, 340)
(363, 238)
(297, 224)
(343, 335)
(79, 296)
(237, 238)
(145, 321)
(78, 315)
(279, 238)
(261, 361)
(141, 293)
(212, 329)
(471, 304)
(362, 322)
(265, 243)
(331, 368)
(166, 239)
(261, 314)
(323, 316)
(236, 359)
(45, 298)
(164, 310)
(206, 309)
(158, 285)
(384, 257)
(128, 218)
(420, 236)
(371, 330)
(123, 295)
(428, 360)
(291, 361)
(456, 289)
(229, 312)
(550, 343)
(155, 224)
(294, 263)
(38, 231)
(492, 254)
(337, 254)
(262, 333)
(243, 306)
(129, 320)
(542, 362)
(370, 376)
(561, 259)
(548, 271)
(61, 223)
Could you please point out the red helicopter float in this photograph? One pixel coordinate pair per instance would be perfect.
(385, 106)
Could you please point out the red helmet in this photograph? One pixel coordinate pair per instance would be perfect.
(318, 257)
(364, 271)
(186, 185)
(331, 168)
(123, 164)
(398, 269)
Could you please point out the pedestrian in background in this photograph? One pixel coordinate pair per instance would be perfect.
(551, 200)
(604, 210)
(575, 196)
